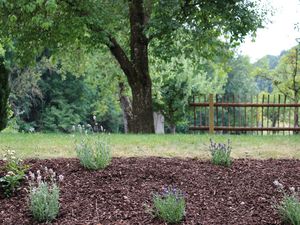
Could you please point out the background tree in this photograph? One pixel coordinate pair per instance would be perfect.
(47, 97)
(25, 92)
(240, 81)
(286, 78)
(175, 83)
(128, 29)
(282, 75)
(262, 70)
(4, 94)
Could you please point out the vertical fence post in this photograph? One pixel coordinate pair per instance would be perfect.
(195, 119)
(211, 113)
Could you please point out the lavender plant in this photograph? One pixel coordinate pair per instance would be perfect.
(289, 206)
(169, 205)
(94, 154)
(44, 195)
(220, 153)
(15, 173)
(88, 128)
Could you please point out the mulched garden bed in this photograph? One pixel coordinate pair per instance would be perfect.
(122, 193)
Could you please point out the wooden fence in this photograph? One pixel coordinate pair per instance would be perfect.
(262, 114)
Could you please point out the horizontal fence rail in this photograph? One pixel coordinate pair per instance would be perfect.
(262, 114)
(247, 104)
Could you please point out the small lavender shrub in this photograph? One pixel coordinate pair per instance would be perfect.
(220, 153)
(169, 205)
(289, 209)
(44, 195)
(94, 155)
(289, 206)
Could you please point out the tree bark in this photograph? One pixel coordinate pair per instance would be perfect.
(136, 70)
(125, 106)
(141, 86)
(142, 116)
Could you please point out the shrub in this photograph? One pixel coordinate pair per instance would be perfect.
(13, 163)
(44, 196)
(289, 206)
(169, 205)
(15, 173)
(10, 183)
(220, 153)
(289, 209)
(94, 155)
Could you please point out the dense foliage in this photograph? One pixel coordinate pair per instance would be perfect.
(4, 94)
(67, 62)
(130, 31)
(49, 99)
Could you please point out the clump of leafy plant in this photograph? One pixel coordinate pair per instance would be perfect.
(44, 195)
(169, 205)
(14, 173)
(220, 153)
(94, 154)
(289, 206)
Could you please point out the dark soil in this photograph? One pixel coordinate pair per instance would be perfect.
(122, 193)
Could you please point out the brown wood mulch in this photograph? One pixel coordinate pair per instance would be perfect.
(122, 193)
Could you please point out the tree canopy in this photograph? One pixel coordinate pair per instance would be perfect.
(130, 31)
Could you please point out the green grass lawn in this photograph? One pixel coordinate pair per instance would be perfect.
(180, 145)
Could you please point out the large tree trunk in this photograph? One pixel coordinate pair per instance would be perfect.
(141, 86)
(142, 116)
(136, 70)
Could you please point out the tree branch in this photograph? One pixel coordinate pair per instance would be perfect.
(120, 55)
(283, 92)
(115, 48)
